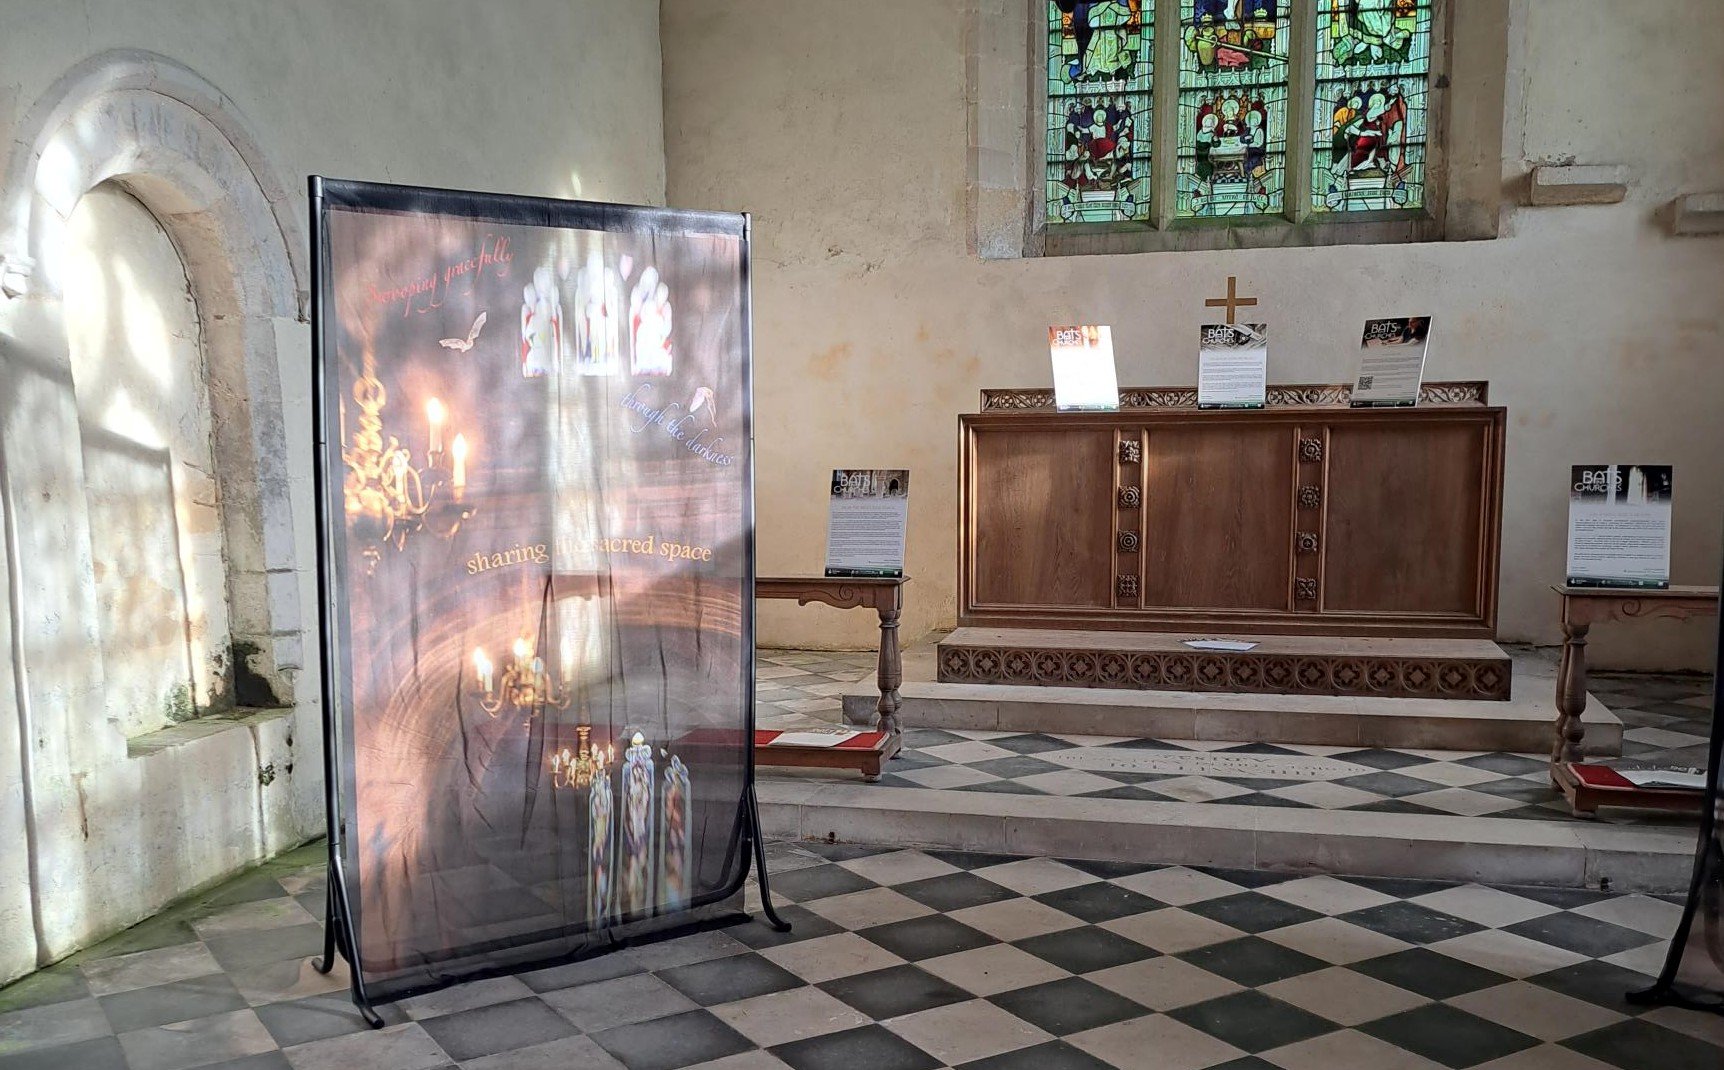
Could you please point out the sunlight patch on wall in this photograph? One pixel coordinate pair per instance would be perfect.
(144, 410)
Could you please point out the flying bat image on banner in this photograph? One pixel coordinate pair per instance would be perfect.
(537, 553)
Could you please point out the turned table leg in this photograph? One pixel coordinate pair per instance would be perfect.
(890, 671)
(1570, 694)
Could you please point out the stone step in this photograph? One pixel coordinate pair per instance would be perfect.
(1444, 669)
(1572, 854)
(1523, 725)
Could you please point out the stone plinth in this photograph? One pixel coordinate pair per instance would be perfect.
(1521, 724)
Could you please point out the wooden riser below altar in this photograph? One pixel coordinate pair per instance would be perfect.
(1461, 669)
(1305, 517)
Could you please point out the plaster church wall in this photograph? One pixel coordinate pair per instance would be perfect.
(194, 123)
(844, 130)
(149, 467)
(560, 98)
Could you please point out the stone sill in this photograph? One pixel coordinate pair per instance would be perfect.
(1399, 227)
(178, 735)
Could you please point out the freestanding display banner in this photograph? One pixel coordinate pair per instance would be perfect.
(537, 568)
(1693, 973)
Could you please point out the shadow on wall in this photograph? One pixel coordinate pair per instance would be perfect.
(148, 582)
(144, 413)
(140, 583)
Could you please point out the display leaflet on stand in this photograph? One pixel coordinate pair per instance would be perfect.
(1233, 366)
(1084, 375)
(1619, 525)
(1391, 362)
(868, 519)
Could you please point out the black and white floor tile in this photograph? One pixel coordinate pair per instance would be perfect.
(906, 959)
(1666, 721)
(910, 960)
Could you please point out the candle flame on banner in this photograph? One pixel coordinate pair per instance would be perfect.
(459, 476)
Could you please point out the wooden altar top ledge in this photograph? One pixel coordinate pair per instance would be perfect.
(1464, 393)
(1675, 590)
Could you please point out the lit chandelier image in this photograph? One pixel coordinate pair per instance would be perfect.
(579, 768)
(388, 497)
(524, 684)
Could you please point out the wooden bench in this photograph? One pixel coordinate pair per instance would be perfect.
(866, 752)
(1587, 787)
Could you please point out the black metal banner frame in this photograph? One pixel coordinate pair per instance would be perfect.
(1705, 905)
(340, 935)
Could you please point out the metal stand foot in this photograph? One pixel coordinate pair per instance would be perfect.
(766, 907)
(327, 963)
(1666, 996)
(338, 936)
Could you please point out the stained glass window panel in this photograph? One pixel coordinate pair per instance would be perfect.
(1373, 80)
(1232, 107)
(1100, 63)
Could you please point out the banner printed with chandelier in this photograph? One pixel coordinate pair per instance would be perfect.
(539, 548)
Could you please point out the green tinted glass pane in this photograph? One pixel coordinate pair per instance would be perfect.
(1100, 63)
(1232, 42)
(1369, 122)
(1235, 160)
(1232, 120)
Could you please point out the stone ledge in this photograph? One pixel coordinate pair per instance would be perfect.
(1698, 214)
(16, 270)
(1568, 184)
(178, 735)
(1429, 724)
(1358, 843)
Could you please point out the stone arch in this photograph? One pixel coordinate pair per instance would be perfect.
(172, 140)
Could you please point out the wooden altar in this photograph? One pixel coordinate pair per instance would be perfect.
(1304, 517)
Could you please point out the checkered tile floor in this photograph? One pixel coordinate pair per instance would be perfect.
(905, 960)
(1666, 721)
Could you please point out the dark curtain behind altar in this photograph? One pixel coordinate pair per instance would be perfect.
(540, 503)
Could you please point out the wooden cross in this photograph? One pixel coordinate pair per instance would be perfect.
(1232, 301)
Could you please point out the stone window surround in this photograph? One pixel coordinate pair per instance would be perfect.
(167, 137)
(173, 141)
(1005, 76)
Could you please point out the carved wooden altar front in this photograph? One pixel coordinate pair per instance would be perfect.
(1302, 517)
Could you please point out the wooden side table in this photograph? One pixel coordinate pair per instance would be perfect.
(886, 597)
(1582, 607)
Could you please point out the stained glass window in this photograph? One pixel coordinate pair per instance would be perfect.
(1100, 61)
(1232, 107)
(1232, 121)
(1373, 76)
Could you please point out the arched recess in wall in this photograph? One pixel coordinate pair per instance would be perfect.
(160, 132)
